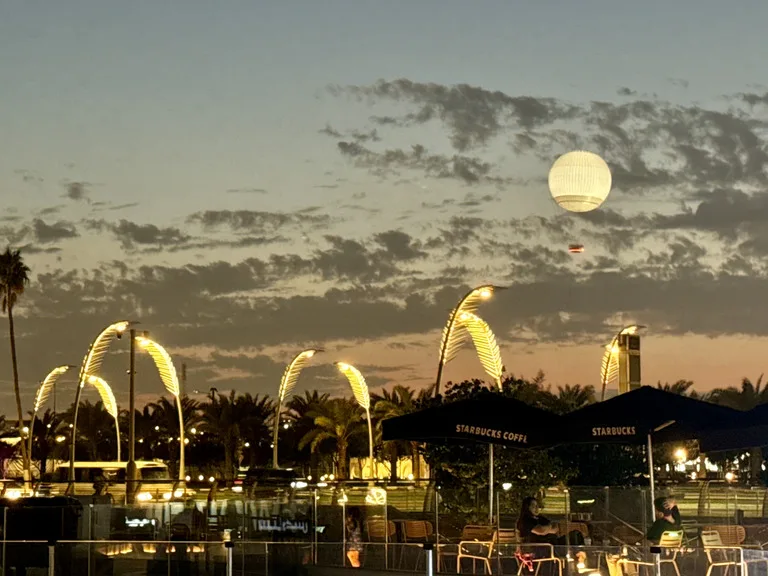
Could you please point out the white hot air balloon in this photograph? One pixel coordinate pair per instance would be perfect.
(579, 181)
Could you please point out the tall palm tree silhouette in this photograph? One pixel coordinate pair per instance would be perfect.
(14, 277)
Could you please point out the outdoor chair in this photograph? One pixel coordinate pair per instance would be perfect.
(470, 535)
(717, 553)
(670, 543)
(533, 556)
(730, 535)
(415, 532)
(484, 551)
(381, 531)
(716, 547)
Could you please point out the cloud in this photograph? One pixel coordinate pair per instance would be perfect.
(77, 191)
(51, 233)
(132, 236)
(256, 221)
(650, 144)
(469, 170)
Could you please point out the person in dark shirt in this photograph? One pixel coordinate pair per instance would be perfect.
(536, 529)
(667, 519)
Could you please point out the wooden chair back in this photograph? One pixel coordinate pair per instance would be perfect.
(379, 529)
(415, 530)
(729, 535)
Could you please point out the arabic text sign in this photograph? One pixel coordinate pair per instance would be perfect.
(492, 433)
(278, 525)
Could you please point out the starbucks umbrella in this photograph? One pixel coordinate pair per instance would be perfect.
(640, 417)
(489, 418)
(747, 430)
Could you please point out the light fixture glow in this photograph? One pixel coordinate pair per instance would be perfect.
(486, 345)
(110, 404)
(287, 384)
(363, 398)
(454, 335)
(90, 366)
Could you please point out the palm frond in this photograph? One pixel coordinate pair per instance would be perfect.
(358, 385)
(486, 345)
(95, 356)
(292, 372)
(454, 333)
(47, 385)
(163, 363)
(105, 393)
(610, 365)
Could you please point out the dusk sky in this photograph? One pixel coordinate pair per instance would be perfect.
(251, 178)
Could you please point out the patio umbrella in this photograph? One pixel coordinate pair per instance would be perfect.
(490, 418)
(747, 430)
(640, 417)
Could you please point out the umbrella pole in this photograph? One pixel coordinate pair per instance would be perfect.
(490, 484)
(649, 448)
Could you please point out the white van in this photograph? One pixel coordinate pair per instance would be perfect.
(155, 482)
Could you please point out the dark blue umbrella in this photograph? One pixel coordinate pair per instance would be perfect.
(641, 417)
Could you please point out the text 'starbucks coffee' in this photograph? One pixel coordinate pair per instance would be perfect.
(492, 433)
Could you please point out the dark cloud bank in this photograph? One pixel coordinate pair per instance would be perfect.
(696, 264)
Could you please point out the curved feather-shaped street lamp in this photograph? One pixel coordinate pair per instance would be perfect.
(91, 364)
(360, 391)
(490, 357)
(110, 404)
(486, 345)
(453, 334)
(170, 379)
(287, 383)
(41, 396)
(609, 368)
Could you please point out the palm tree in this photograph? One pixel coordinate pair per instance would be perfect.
(402, 400)
(147, 436)
(95, 430)
(681, 387)
(219, 419)
(14, 277)
(570, 398)
(165, 415)
(747, 397)
(301, 422)
(337, 421)
(45, 430)
(255, 415)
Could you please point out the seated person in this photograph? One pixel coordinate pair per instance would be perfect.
(667, 519)
(537, 529)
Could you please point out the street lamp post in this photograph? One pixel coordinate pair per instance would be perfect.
(287, 382)
(130, 472)
(363, 398)
(89, 367)
(453, 335)
(610, 364)
(48, 384)
(170, 379)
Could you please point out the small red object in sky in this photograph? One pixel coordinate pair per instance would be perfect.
(576, 248)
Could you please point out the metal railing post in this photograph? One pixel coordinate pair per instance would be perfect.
(230, 546)
(51, 557)
(429, 551)
(5, 534)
